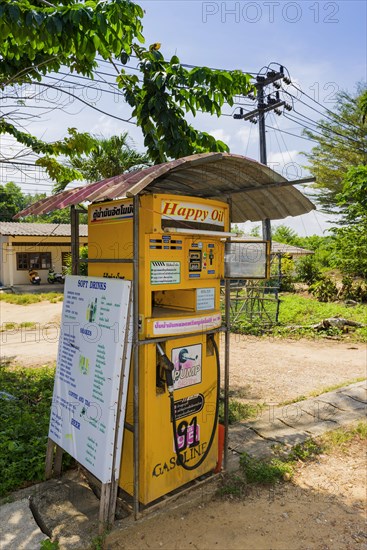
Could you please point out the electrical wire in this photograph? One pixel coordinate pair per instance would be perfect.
(319, 112)
(297, 121)
(290, 134)
(323, 107)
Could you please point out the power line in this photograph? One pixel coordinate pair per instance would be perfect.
(319, 112)
(290, 134)
(297, 121)
(323, 107)
(86, 103)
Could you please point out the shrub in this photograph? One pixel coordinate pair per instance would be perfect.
(264, 471)
(307, 270)
(25, 404)
(324, 290)
(351, 291)
(83, 266)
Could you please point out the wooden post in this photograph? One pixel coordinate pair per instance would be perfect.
(49, 458)
(74, 221)
(53, 464)
(107, 507)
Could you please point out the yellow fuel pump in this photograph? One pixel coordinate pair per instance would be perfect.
(181, 264)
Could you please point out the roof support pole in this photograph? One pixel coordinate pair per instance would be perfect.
(227, 309)
(136, 352)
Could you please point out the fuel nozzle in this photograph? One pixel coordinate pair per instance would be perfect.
(168, 366)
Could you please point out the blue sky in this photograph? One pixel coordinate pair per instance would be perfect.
(322, 44)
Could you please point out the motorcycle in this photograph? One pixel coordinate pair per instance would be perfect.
(53, 277)
(34, 278)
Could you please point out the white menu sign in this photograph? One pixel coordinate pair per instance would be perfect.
(93, 360)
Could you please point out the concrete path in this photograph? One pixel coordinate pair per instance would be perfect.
(18, 530)
(279, 426)
(291, 424)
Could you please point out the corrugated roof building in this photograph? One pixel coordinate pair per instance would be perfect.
(34, 245)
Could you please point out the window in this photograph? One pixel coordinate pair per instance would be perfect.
(33, 260)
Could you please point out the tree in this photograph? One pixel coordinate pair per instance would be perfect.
(39, 37)
(110, 157)
(11, 201)
(255, 231)
(284, 234)
(58, 216)
(166, 91)
(351, 238)
(342, 142)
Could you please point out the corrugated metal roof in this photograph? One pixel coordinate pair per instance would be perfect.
(40, 229)
(257, 192)
(278, 248)
(282, 248)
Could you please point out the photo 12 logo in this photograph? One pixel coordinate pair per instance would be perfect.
(269, 12)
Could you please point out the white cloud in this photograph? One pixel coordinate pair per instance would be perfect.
(289, 164)
(247, 136)
(221, 134)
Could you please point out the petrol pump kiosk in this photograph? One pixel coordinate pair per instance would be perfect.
(181, 243)
(167, 230)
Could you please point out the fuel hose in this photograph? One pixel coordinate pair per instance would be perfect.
(180, 459)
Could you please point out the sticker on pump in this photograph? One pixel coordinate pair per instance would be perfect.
(187, 366)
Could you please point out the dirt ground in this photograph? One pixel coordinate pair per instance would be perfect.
(322, 508)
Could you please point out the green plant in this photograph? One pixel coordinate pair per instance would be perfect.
(238, 411)
(98, 542)
(324, 290)
(24, 421)
(83, 266)
(353, 291)
(305, 451)
(286, 275)
(308, 270)
(298, 313)
(25, 299)
(264, 471)
(233, 484)
(343, 436)
(49, 545)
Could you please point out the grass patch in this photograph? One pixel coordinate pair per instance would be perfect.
(297, 313)
(24, 417)
(255, 471)
(25, 299)
(327, 389)
(341, 437)
(49, 545)
(265, 472)
(307, 450)
(238, 411)
(13, 326)
(301, 310)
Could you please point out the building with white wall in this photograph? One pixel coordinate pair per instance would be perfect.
(34, 245)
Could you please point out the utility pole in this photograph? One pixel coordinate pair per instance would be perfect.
(264, 104)
(266, 225)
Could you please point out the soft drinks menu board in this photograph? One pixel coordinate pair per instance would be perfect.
(93, 361)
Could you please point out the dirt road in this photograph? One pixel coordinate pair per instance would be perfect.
(262, 370)
(30, 345)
